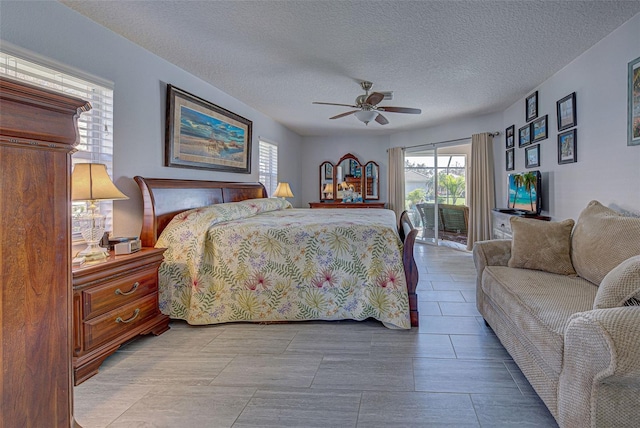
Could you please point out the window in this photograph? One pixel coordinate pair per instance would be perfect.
(95, 126)
(268, 166)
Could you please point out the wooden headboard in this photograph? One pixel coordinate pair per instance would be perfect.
(164, 198)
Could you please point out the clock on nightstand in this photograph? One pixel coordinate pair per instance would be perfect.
(113, 302)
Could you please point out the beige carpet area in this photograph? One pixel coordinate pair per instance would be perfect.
(451, 371)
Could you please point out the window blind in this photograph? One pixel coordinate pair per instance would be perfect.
(268, 166)
(95, 126)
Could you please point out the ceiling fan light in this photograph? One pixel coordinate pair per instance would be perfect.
(366, 116)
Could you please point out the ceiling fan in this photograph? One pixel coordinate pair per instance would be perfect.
(368, 108)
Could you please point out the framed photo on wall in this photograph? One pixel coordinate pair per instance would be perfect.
(509, 136)
(566, 112)
(532, 156)
(202, 135)
(524, 136)
(510, 160)
(531, 107)
(539, 129)
(633, 108)
(567, 152)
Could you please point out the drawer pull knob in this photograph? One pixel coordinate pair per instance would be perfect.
(133, 289)
(135, 315)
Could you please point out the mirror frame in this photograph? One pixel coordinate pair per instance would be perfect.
(365, 181)
(348, 156)
(324, 180)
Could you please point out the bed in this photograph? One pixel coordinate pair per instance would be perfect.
(266, 261)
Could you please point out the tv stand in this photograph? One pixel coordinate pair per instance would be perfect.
(501, 225)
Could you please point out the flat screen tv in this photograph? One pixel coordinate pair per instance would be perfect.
(525, 190)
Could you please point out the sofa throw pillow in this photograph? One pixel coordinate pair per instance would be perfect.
(541, 245)
(621, 286)
(602, 239)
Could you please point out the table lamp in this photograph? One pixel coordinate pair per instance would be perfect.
(90, 182)
(328, 191)
(283, 191)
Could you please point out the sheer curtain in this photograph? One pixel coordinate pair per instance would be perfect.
(481, 188)
(396, 180)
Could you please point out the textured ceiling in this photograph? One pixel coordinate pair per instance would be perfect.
(451, 59)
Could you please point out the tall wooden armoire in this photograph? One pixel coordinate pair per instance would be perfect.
(38, 133)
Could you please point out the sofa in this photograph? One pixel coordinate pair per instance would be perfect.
(563, 299)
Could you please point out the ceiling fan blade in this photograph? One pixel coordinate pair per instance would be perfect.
(401, 110)
(381, 119)
(334, 104)
(374, 98)
(344, 114)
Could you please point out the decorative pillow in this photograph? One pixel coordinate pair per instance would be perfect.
(602, 239)
(621, 286)
(541, 245)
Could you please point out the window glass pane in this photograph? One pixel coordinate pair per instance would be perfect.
(268, 166)
(95, 127)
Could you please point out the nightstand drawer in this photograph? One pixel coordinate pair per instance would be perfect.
(117, 322)
(118, 292)
(501, 226)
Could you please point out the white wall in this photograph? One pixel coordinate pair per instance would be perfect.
(607, 169)
(316, 150)
(140, 77)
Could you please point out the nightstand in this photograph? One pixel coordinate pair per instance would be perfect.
(114, 301)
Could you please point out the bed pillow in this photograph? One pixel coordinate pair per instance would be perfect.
(541, 245)
(602, 239)
(620, 286)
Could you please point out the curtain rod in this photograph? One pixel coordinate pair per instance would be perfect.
(493, 134)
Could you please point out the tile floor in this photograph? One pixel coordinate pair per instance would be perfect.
(451, 371)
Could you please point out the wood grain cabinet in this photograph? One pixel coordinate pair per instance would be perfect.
(114, 301)
(38, 133)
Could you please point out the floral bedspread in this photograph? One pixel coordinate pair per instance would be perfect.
(261, 260)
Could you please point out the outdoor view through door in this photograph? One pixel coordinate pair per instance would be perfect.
(435, 192)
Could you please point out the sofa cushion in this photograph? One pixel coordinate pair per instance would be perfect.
(620, 285)
(541, 245)
(539, 304)
(602, 239)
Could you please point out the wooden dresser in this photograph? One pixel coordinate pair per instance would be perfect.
(332, 204)
(114, 301)
(38, 132)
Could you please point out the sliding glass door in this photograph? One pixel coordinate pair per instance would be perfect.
(435, 192)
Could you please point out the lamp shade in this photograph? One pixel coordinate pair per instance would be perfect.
(283, 191)
(90, 182)
(366, 116)
(328, 188)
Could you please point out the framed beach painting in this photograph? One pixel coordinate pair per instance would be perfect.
(202, 135)
(531, 107)
(509, 136)
(510, 160)
(532, 156)
(567, 152)
(524, 136)
(566, 112)
(539, 129)
(633, 120)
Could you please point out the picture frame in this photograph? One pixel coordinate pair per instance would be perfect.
(567, 147)
(328, 171)
(566, 112)
(509, 136)
(633, 109)
(532, 156)
(531, 107)
(510, 160)
(202, 135)
(524, 136)
(539, 129)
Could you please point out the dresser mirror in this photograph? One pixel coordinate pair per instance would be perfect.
(371, 181)
(349, 180)
(326, 181)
